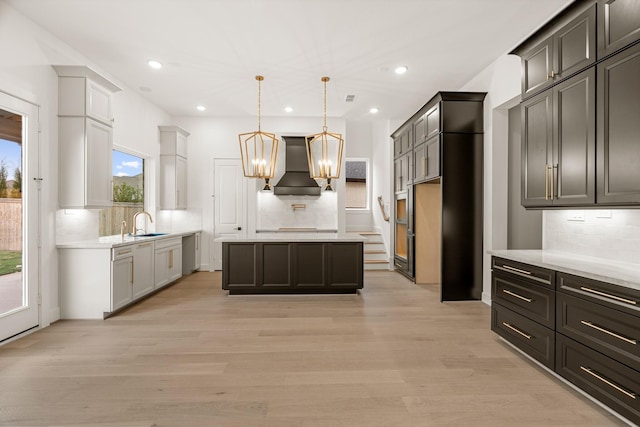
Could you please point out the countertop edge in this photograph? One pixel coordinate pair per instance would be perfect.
(111, 242)
(615, 272)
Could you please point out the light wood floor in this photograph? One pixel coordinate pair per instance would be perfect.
(193, 356)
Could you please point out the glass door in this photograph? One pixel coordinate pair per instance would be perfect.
(19, 202)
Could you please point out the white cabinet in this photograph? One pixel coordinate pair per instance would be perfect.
(143, 271)
(173, 167)
(168, 261)
(85, 138)
(121, 277)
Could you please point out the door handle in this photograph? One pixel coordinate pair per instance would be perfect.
(238, 228)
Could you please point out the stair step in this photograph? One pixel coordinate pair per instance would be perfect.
(368, 233)
(376, 261)
(375, 252)
(374, 243)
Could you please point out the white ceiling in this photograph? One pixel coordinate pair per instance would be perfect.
(213, 49)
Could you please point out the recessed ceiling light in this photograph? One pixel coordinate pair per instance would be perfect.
(201, 107)
(401, 69)
(154, 64)
(374, 110)
(288, 109)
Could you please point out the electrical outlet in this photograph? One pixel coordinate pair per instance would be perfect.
(575, 216)
(603, 214)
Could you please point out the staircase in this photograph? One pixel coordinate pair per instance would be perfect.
(375, 253)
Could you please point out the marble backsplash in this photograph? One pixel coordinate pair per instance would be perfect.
(276, 212)
(610, 234)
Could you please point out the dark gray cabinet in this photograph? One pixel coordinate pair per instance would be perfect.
(619, 128)
(567, 47)
(403, 170)
(427, 125)
(403, 142)
(292, 267)
(618, 25)
(558, 137)
(403, 233)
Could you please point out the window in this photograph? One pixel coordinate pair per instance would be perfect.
(128, 193)
(357, 193)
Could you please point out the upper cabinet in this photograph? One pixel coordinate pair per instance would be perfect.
(85, 137)
(618, 25)
(173, 167)
(568, 48)
(565, 162)
(619, 128)
(403, 142)
(427, 125)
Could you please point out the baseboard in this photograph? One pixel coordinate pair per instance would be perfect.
(486, 298)
(54, 316)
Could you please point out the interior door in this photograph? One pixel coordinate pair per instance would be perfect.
(230, 194)
(19, 205)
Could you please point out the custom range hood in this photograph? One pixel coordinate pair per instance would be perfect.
(296, 180)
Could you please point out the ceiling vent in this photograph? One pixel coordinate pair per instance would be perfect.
(349, 98)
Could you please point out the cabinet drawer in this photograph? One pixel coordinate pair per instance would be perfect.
(539, 275)
(526, 298)
(607, 294)
(165, 243)
(121, 252)
(531, 337)
(611, 382)
(609, 331)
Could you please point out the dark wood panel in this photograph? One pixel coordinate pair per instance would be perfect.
(537, 64)
(613, 383)
(618, 25)
(607, 294)
(609, 331)
(575, 44)
(345, 264)
(239, 265)
(309, 263)
(541, 276)
(537, 143)
(276, 265)
(532, 338)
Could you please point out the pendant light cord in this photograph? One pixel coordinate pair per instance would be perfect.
(324, 112)
(259, 79)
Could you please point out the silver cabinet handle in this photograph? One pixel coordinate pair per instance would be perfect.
(513, 294)
(517, 270)
(604, 294)
(608, 332)
(516, 330)
(609, 383)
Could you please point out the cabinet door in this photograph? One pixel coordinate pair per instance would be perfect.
(98, 102)
(432, 122)
(99, 177)
(618, 25)
(537, 141)
(433, 158)
(161, 270)
(537, 64)
(402, 172)
(575, 44)
(175, 263)
(618, 124)
(420, 163)
(402, 143)
(121, 281)
(181, 182)
(574, 140)
(143, 271)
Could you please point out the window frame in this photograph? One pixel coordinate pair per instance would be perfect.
(367, 182)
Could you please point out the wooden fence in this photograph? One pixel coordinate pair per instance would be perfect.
(11, 224)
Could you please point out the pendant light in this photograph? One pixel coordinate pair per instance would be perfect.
(324, 149)
(259, 150)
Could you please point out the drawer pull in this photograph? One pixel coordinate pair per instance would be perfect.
(608, 332)
(517, 270)
(123, 252)
(516, 330)
(513, 294)
(609, 383)
(604, 294)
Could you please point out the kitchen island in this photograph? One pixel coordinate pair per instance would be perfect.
(267, 263)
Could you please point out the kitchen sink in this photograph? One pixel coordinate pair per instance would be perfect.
(149, 234)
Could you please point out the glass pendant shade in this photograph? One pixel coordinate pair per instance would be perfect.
(259, 150)
(325, 150)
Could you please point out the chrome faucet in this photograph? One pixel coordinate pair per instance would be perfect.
(135, 217)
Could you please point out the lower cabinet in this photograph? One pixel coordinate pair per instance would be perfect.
(142, 269)
(121, 278)
(587, 331)
(168, 261)
(292, 267)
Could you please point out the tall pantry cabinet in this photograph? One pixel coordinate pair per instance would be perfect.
(439, 195)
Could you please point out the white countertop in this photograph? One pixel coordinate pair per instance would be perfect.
(619, 273)
(295, 237)
(108, 242)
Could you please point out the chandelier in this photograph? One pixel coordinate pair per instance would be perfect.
(259, 150)
(324, 149)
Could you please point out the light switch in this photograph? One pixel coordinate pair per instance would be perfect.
(575, 216)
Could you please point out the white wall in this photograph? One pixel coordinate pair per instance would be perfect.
(360, 145)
